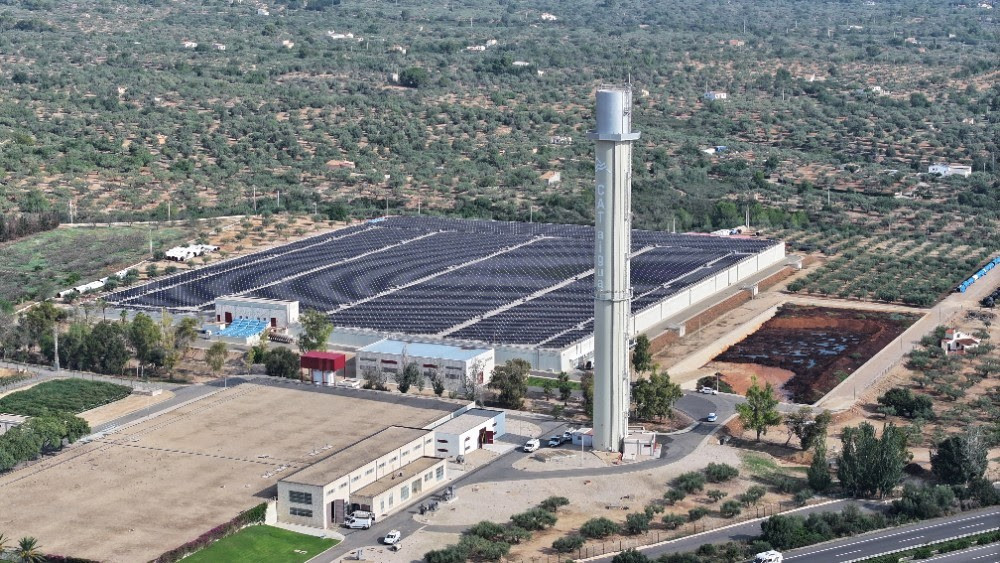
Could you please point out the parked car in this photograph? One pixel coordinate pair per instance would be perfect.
(531, 445)
(568, 435)
(712, 417)
(392, 537)
(555, 441)
(708, 391)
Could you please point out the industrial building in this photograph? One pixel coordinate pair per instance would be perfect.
(469, 431)
(322, 367)
(457, 366)
(383, 473)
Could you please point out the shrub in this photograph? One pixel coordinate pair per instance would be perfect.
(478, 547)
(282, 362)
(552, 504)
(922, 502)
(730, 508)
(674, 495)
(802, 496)
(709, 381)
(720, 472)
(697, 513)
(690, 482)
(716, 495)
(534, 519)
(903, 402)
(672, 521)
(567, 544)
(636, 523)
(597, 528)
(752, 495)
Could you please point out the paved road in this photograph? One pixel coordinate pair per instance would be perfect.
(843, 396)
(739, 532)
(980, 554)
(903, 537)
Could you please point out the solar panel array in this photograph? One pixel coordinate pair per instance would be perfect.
(486, 281)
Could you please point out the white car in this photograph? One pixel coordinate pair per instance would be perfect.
(555, 441)
(392, 537)
(712, 417)
(708, 391)
(531, 445)
(769, 557)
(568, 435)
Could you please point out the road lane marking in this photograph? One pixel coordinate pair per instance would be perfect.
(971, 526)
(911, 539)
(981, 556)
(848, 553)
(881, 537)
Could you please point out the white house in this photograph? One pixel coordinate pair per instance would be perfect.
(185, 253)
(958, 342)
(548, 17)
(478, 48)
(263, 12)
(275, 313)
(943, 169)
(189, 44)
(712, 95)
(219, 46)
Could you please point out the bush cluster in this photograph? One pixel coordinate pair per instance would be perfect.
(903, 402)
(63, 395)
(39, 435)
(788, 532)
(720, 472)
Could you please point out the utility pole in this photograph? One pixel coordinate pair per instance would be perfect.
(279, 198)
(387, 205)
(55, 337)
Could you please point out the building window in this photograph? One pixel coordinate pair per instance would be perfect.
(404, 454)
(390, 501)
(439, 473)
(370, 471)
(381, 465)
(415, 487)
(382, 506)
(417, 448)
(299, 497)
(442, 441)
(428, 441)
(429, 476)
(393, 458)
(355, 478)
(445, 450)
(344, 484)
(404, 492)
(300, 512)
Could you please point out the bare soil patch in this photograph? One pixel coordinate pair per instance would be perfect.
(819, 345)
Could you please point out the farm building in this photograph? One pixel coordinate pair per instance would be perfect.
(958, 342)
(322, 366)
(943, 169)
(712, 95)
(185, 253)
(454, 364)
(382, 474)
(468, 432)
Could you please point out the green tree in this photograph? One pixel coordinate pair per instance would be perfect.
(654, 397)
(807, 427)
(316, 329)
(869, 466)
(413, 77)
(374, 379)
(587, 387)
(818, 474)
(408, 377)
(511, 383)
(215, 357)
(282, 362)
(28, 551)
(960, 459)
(437, 384)
(547, 386)
(107, 348)
(185, 333)
(565, 387)
(759, 412)
(642, 357)
(144, 335)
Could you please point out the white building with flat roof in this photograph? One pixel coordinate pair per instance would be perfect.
(382, 474)
(469, 431)
(943, 169)
(277, 314)
(456, 365)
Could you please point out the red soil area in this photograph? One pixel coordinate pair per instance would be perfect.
(819, 345)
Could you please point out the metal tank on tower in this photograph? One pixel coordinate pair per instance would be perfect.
(612, 273)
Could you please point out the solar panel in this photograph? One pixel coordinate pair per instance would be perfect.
(485, 281)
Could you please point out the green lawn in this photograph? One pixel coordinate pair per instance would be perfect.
(538, 381)
(53, 260)
(262, 543)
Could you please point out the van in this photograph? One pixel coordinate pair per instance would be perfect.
(531, 445)
(768, 557)
(360, 520)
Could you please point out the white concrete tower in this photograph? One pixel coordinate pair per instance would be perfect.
(612, 274)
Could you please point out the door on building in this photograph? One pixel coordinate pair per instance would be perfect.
(337, 511)
(274, 322)
(229, 317)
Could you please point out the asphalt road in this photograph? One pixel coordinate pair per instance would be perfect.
(981, 554)
(903, 537)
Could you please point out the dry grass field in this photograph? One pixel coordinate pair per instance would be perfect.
(161, 483)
